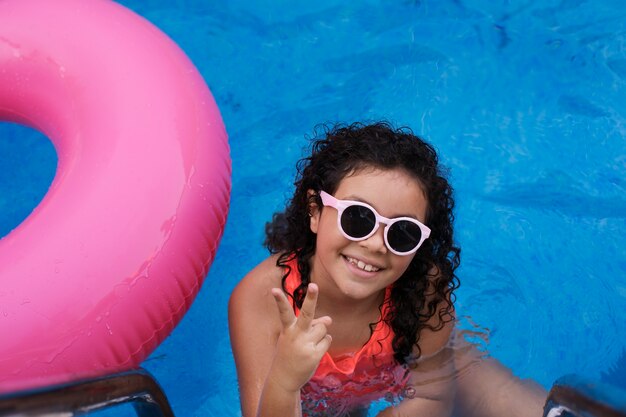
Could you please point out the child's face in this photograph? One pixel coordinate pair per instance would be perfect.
(338, 264)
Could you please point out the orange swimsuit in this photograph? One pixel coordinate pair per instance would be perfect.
(352, 381)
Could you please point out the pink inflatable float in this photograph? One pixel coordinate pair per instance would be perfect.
(110, 260)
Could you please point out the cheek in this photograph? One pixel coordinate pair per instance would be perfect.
(402, 263)
(327, 232)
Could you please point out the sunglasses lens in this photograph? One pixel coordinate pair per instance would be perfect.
(358, 221)
(404, 236)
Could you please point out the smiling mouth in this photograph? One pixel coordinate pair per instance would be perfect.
(362, 265)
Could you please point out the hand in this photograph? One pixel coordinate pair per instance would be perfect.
(302, 342)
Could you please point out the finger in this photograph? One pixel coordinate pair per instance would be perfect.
(287, 316)
(325, 320)
(324, 344)
(318, 332)
(307, 312)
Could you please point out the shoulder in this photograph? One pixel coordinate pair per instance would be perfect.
(253, 315)
(253, 293)
(433, 341)
(265, 274)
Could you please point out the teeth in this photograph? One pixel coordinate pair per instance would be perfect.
(362, 265)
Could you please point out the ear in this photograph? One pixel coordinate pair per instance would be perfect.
(314, 212)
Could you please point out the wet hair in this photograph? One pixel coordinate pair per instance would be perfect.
(342, 150)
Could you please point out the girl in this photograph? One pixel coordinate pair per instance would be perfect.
(356, 301)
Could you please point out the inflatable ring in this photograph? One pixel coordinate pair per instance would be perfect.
(110, 260)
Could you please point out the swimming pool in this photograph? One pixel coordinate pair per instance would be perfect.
(524, 102)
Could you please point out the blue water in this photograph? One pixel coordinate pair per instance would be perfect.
(524, 101)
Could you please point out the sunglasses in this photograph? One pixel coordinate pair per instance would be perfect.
(358, 221)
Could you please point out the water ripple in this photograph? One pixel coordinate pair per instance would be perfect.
(553, 194)
(581, 106)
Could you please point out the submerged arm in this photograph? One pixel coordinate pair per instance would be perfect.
(431, 388)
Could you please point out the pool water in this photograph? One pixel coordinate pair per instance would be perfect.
(524, 102)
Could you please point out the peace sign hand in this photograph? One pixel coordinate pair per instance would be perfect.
(302, 342)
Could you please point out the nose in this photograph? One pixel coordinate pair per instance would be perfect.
(376, 242)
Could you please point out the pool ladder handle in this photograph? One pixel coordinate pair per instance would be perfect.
(81, 397)
(572, 396)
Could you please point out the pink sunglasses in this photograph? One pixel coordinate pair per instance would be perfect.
(358, 221)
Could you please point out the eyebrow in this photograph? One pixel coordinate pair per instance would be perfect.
(352, 197)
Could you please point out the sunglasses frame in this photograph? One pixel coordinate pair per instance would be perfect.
(341, 205)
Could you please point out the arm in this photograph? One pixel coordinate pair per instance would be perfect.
(253, 330)
(275, 352)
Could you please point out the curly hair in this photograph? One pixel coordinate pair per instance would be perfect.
(340, 151)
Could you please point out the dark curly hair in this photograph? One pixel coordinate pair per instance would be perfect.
(342, 150)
